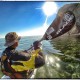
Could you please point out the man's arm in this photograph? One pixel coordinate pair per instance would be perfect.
(39, 60)
(20, 56)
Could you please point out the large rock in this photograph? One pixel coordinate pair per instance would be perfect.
(75, 8)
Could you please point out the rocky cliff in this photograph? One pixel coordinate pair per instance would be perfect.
(75, 8)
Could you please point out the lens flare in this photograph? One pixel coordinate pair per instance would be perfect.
(57, 58)
(50, 8)
(58, 66)
(51, 60)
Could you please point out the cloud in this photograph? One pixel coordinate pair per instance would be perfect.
(34, 32)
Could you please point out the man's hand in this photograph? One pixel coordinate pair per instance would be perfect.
(36, 44)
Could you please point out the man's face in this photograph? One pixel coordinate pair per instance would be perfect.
(15, 44)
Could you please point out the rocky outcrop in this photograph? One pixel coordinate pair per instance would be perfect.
(75, 8)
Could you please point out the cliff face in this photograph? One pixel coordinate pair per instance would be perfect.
(75, 8)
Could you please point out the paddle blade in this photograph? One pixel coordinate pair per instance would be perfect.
(59, 26)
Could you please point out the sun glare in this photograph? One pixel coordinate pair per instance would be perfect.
(49, 8)
(51, 60)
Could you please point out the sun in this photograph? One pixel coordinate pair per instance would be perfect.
(49, 8)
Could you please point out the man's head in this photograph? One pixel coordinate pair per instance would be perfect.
(11, 39)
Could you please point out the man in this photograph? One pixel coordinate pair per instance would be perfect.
(11, 58)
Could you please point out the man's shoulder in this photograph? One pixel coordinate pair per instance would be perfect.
(15, 52)
(3, 53)
(7, 52)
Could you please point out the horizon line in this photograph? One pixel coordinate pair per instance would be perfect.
(26, 36)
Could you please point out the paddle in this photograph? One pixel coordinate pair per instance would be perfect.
(59, 26)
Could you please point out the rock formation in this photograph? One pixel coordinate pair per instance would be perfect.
(75, 8)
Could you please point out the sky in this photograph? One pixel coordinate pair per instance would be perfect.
(27, 18)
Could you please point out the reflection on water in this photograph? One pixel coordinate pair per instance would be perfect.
(63, 61)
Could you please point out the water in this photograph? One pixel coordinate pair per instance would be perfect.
(62, 57)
